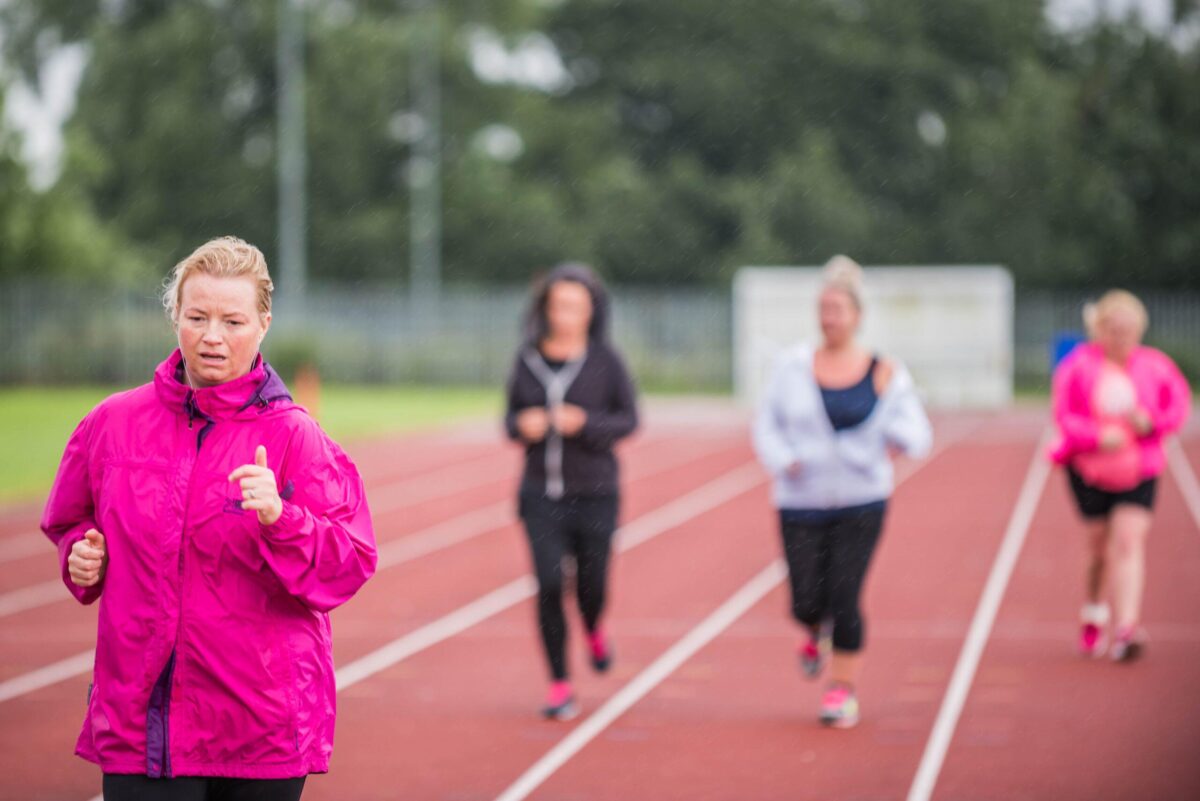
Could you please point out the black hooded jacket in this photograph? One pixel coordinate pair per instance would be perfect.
(600, 385)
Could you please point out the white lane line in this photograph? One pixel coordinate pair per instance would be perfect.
(981, 626)
(671, 660)
(441, 482)
(637, 689)
(673, 514)
(1185, 478)
(433, 633)
(47, 592)
(496, 516)
(44, 677)
(22, 546)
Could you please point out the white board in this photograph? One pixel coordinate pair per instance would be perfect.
(952, 327)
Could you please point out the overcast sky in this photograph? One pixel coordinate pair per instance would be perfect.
(40, 118)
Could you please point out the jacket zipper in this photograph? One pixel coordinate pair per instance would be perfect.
(556, 385)
(192, 412)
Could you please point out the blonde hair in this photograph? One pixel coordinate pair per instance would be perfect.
(1111, 301)
(223, 257)
(845, 274)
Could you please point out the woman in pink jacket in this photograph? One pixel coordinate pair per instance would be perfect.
(1115, 401)
(218, 525)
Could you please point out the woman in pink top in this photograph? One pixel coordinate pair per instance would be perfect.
(217, 525)
(1115, 401)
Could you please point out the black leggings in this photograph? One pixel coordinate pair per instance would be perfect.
(583, 527)
(122, 787)
(828, 555)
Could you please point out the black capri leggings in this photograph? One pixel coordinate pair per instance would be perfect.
(582, 526)
(827, 556)
(121, 787)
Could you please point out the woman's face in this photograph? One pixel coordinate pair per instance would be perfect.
(1119, 332)
(568, 309)
(839, 317)
(219, 328)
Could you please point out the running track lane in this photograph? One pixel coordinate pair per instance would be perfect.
(737, 721)
(1041, 722)
(460, 719)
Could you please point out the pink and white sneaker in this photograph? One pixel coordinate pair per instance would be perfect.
(560, 702)
(839, 707)
(1093, 619)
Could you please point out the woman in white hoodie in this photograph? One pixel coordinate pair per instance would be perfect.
(830, 421)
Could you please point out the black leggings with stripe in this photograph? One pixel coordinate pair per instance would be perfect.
(579, 526)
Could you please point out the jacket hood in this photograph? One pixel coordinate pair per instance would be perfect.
(257, 389)
(536, 327)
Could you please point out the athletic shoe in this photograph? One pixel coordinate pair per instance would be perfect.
(814, 650)
(560, 702)
(1093, 617)
(839, 707)
(1128, 644)
(600, 650)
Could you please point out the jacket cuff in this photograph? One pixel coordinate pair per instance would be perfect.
(289, 521)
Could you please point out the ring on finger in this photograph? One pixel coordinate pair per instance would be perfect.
(250, 494)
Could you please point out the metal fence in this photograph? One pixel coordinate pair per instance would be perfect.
(1041, 317)
(675, 339)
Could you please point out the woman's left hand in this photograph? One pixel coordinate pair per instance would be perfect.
(259, 490)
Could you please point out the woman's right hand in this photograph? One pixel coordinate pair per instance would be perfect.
(88, 559)
(1112, 438)
(532, 424)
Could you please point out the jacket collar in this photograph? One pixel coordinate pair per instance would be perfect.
(258, 388)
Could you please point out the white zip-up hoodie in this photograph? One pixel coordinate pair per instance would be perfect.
(838, 469)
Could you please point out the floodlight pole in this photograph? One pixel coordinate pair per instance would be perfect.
(425, 164)
(292, 161)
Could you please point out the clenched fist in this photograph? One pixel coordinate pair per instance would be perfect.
(88, 559)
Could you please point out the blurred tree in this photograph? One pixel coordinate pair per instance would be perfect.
(55, 233)
(667, 141)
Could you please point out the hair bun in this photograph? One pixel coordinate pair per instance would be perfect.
(843, 272)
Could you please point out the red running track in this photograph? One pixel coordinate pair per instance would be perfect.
(733, 720)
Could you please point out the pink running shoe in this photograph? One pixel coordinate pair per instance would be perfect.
(560, 702)
(1093, 617)
(839, 707)
(600, 650)
(1091, 640)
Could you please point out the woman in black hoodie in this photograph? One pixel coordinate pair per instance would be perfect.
(570, 400)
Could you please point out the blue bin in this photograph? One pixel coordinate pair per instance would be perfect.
(1063, 343)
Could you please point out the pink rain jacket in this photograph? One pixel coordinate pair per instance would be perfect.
(1161, 390)
(213, 653)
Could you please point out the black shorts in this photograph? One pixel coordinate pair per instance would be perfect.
(1095, 503)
